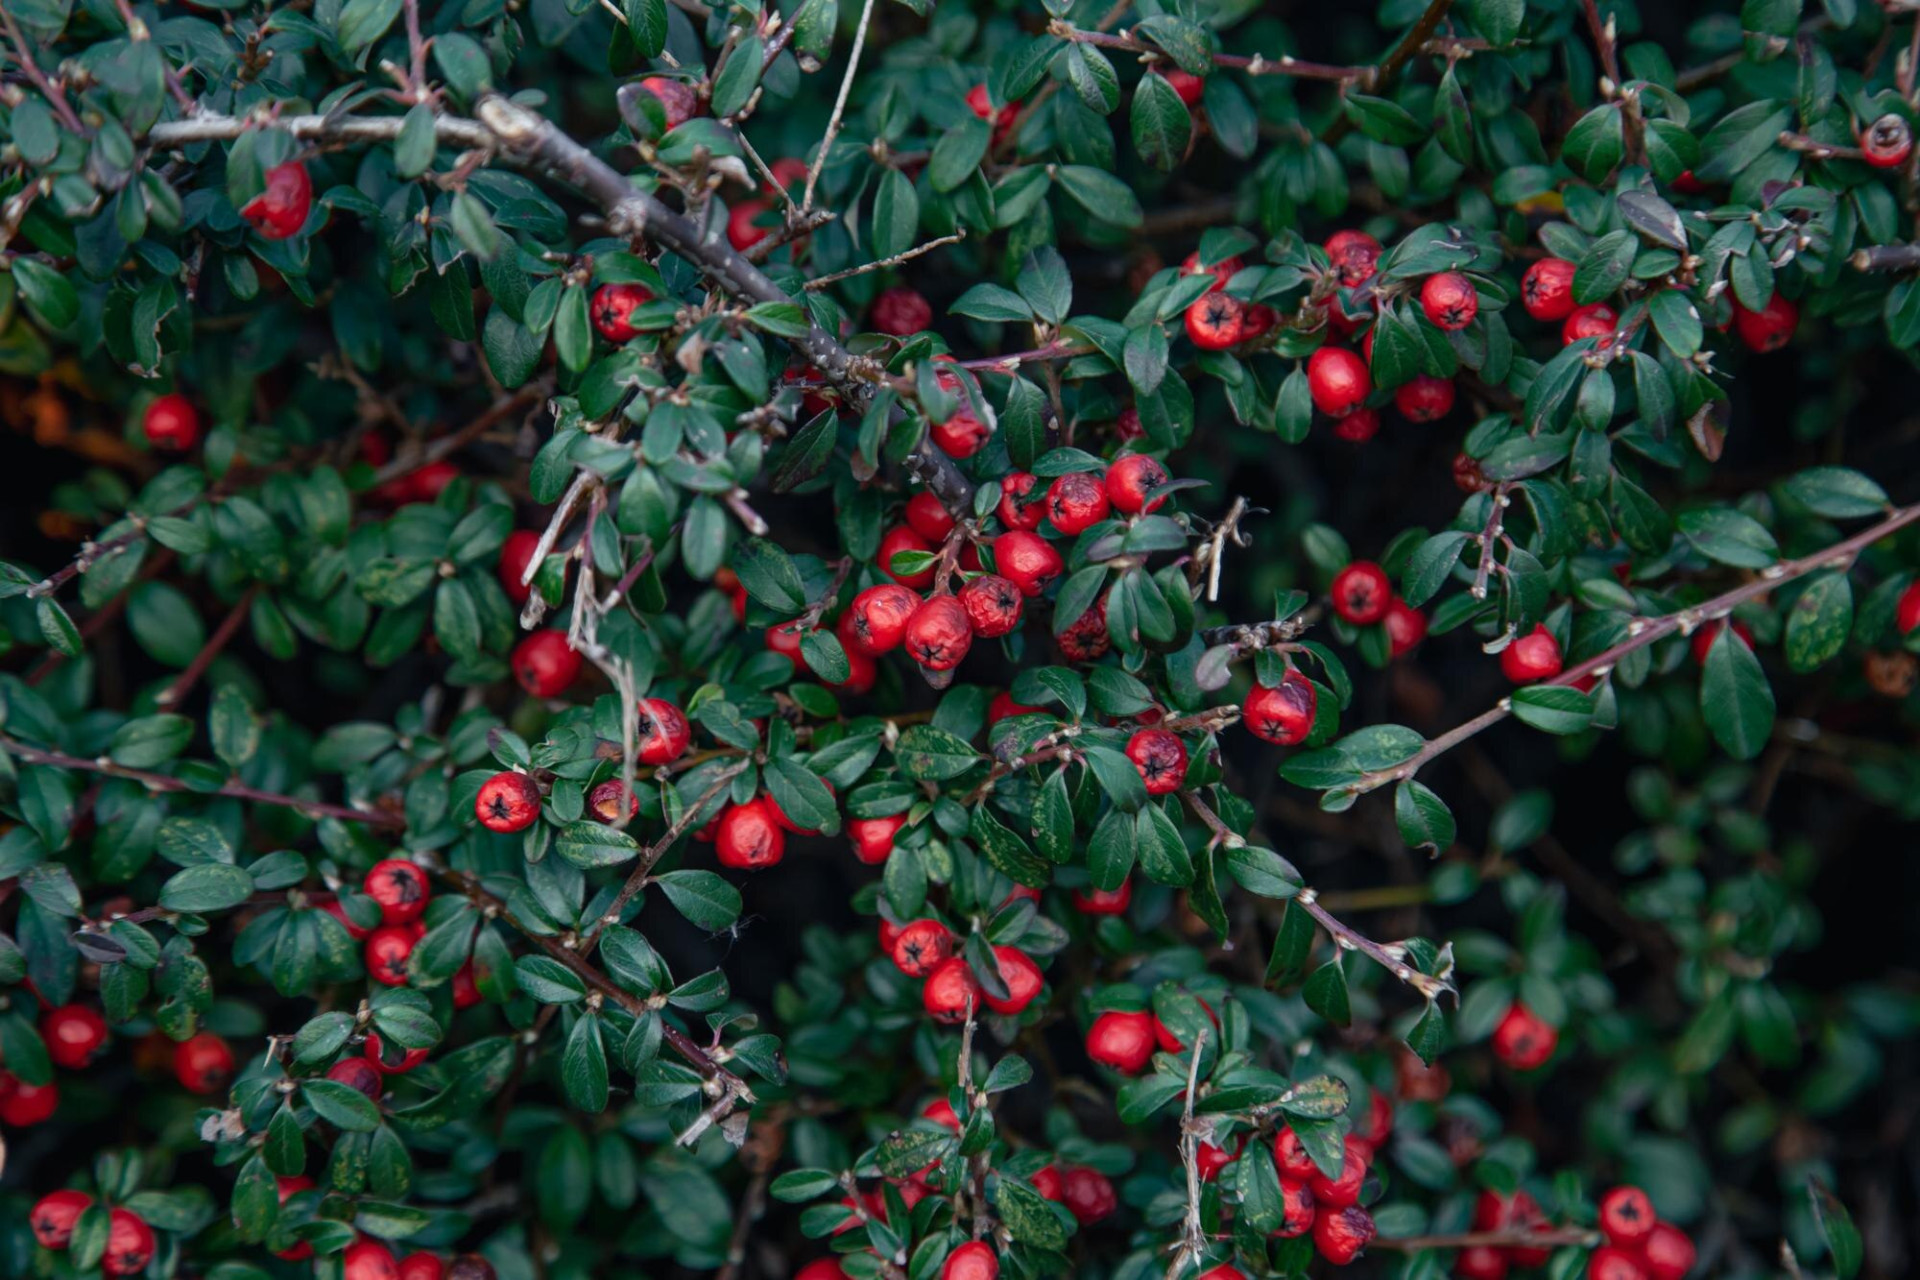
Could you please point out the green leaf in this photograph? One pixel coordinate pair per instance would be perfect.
(591, 844)
(1837, 493)
(769, 575)
(1326, 993)
(927, 754)
(1596, 142)
(702, 897)
(896, 214)
(957, 155)
(1160, 122)
(1553, 708)
(341, 1105)
(1729, 536)
(1009, 854)
(1836, 1227)
(1818, 623)
(1735, 699)
(1424, 819)
(583, 1067)
(738, 77)
(150, 740)
(210, 886)
(1029, 1219)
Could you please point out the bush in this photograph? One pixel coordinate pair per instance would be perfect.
(551, 480)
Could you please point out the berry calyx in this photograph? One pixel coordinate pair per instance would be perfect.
(400, 887)
(1887, 142)
(1122, 1040)
(1076, 502)
(1216, 321)
(1768, 329)
(993, 605)
(1014, 510)
(661, 733)
(1595, 320)
(920, 947)
(1087, 637)
(53, 1216)
(892, 543)
(1361, 593)
(1027, 560)
(1627, 1216)
(901, 312)
(1532, 657)
(1023, 980)
(676, 97)
(1340, 1234)
(1448, 301)
(386, 953)
(1425, 398)
(1338, 380)
(873, 837)
(171, 422)
(1523, 1040)
(1546, 291)
(611, 310)
(1161, 758)
(929, 517)
(545, 664)
(950, 991)
(507, 802)
(203, 1063)
(974, 1260)
(129, 1244)
(279, 211)
(1130, 479)
(749, 837)
(939, 633)
(74, 1033)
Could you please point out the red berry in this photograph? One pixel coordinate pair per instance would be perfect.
(129, 1241)
(1668, 1252)
(676, 97)
(1338, 380)
(929, 517)
(1406, 627)
(1481, 1262)
(1209, 1160)
(1340, 1192)
(1221, 271)
(1216, 321)
(951, 988)
(202, 1063)
(980, 102)
(962, 433)
(281, 209)
(1448, 301)
(23, 1105)
(1357, 427)
(1087, 638)
(1130, 479)
(1049, 1184)
(1610, 1263)
(1224, 1271)
(401, 889)
(545, 664)
(1627, 1216)
(1161, 759)
(386, 951)
(612, 309)
(1003, 706)
(171, 422)
(1354, 255)
(368, 1260)
(1467, 476)
(900, 311)
(873, 837)
(1104, 902)
(1297, 1208)
(1014, 512)
(920, 946)
(1127, 426)
(516, 553)
(1121, 1040)
(53, 1217)
(1425, 398)
(1522, 1040)
(1379, 1123)
(974, 1260)
(1361, 593)
(880, 617)
(1906, 612)
(421, 1265)
(939, 633)
(1027, 560)
(749, 837)
(1595, 320)
(1291, 1156)
(1169, 1042)
(1532, 657)
(993, 605)
(892, 543)
(507, 802)
(1546, 291)
(1186, 86)
(1340, 1234)
(822, 1269)
(1768, 329)
(74, 1033)
(1887, 142)
(357, 1073)
(743, 224)
(396, 1062)
(661, 734)
(1076, 502)
(1088, 1195)
(940, 1111)
(1703, 639)
(1023, 980)
(465, 988)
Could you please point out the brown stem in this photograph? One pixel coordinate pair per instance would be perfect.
(1410, 44)
(1887, 257)
(51, 91)
(174, 694)
(447, 445)
(651, 855)
(1256, 65)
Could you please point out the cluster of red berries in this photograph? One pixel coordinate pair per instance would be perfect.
(76, 1034)
(1327, 1207)
(1546, 291)
(1362, 595)
(1217, 320)
(1517, 1214)
(927, 949)
(368, 1259)
(130, 1240)
(1639, 1245)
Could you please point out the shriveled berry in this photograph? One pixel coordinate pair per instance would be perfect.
(661, 733)
(1523, 1040)
(400, 887)
(1467, 475)
(280, 210)
(1087, 637)
(171, 422)
(900, 311)
(1340, 1234)
(1297, 1208)
(612, 310)
(929, 517)
(507, 802)
(74, 1033)
(748, 837)
(1532, 657)
(939, 633)
(896, 540)
(1546, 291)
(1361, 593)
(1015, 511)
(1425, 398)
(545, 664)
(1216, 321)
(53, 1216)
(1355, 256)
(1887, 142)
(873, 837)
(203, 1063)
(951, 989)
(1161, 758)
(1076, 502)
(1338, 381)
(1127, 426)
(1130, 479)
(1122, 1040)
(993, 605)
(677, 98)
(1027, 560)
(386, 952)
(921, 946)
(611, 802)
(1448, 301)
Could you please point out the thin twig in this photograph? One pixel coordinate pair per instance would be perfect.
(174, 694)
(814, 286)
(839, 106)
